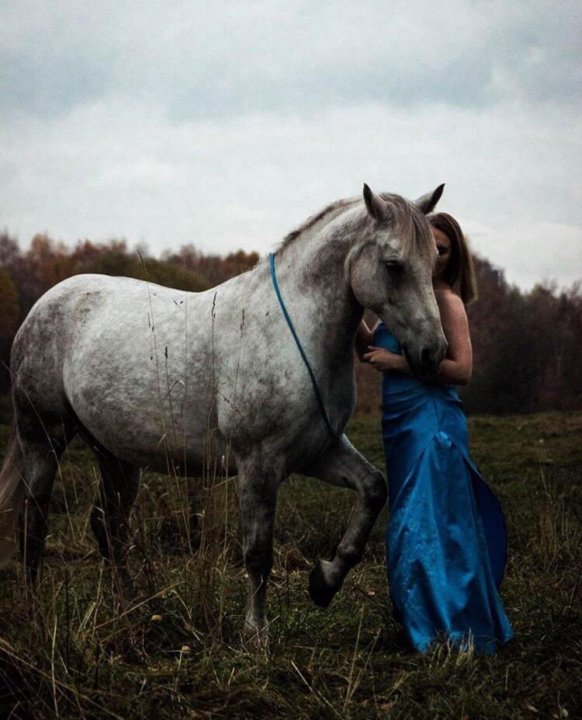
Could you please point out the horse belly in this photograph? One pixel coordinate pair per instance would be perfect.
(140, 423)
(140, 393)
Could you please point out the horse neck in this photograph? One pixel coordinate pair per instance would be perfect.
(313, 278)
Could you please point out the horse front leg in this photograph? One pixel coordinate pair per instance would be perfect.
(258, 504)
(343, 465)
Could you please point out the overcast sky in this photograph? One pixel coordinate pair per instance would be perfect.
(226, 123)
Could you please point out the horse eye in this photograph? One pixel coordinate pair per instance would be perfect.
(394, 266)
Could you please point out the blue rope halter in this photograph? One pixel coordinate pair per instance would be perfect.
(301, 350)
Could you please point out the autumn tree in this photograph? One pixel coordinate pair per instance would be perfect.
(9, 321)
(215, 268)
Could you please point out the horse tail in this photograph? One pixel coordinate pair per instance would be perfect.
(11, 497)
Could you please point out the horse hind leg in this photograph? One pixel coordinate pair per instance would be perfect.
(110, 515)
(41, 446)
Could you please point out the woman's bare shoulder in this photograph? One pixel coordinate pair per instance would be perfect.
(449, 302)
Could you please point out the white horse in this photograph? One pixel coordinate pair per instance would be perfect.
(152, 377)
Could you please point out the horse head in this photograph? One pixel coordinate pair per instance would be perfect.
(390, 270)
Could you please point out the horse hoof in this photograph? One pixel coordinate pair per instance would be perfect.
(319, 589)
(255, 636)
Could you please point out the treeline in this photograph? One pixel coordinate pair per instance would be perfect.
(527, 346)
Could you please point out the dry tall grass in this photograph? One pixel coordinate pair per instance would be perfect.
(174, 648)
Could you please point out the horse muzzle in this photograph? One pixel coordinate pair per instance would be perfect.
(426, 360)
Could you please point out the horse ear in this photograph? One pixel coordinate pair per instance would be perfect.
(427, 203)
(377, 208)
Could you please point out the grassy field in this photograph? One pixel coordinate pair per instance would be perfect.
(77, 648)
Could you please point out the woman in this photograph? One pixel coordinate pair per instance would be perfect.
(446, 538)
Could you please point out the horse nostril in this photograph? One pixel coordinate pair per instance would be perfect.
(426, 361)
(426, 357)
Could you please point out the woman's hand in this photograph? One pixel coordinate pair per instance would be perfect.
(385, 361)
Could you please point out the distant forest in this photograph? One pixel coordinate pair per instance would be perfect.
(527, 346)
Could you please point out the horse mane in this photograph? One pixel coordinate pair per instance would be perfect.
(333, 210)
(408, 219)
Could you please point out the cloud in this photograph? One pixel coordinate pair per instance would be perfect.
(225, 124)
(246, 182)
(534, 253)
(203, 60)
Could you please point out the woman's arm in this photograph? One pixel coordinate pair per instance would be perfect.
(457, 367)
(384, 360)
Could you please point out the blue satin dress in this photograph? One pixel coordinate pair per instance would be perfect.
(446, 538)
